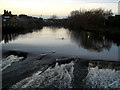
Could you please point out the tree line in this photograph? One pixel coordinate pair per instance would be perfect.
(86, 19)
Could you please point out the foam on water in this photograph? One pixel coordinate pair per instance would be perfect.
(9, 60)
(62, 77)
(102, 78)
(57, 77)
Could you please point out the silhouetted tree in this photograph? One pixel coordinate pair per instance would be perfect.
(83, 19)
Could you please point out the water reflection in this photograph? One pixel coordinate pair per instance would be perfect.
(86, 40)
(91, 41)
(8, 37)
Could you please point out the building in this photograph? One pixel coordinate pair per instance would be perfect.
(6, 16)
(9, 20)
(22, 21)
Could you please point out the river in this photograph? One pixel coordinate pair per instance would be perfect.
(63, 42)
(54, 57)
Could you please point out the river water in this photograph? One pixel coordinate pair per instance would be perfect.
(52, 41)
(64, 42)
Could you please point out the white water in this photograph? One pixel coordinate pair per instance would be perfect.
(62, 77)
(9, 60)
(102, 78)
(57, 77)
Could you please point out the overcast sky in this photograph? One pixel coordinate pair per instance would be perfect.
(57, 7)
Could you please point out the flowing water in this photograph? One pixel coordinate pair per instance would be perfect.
(61, 42)
(63, 76)
(57, 77)
(9, 60)
(102, 78)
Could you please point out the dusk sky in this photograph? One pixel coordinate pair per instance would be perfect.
(54, 7)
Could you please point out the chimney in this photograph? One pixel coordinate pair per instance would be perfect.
(10, 12)
(4, 11)
(7, 11)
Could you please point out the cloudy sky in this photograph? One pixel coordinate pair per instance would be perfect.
(56, 7)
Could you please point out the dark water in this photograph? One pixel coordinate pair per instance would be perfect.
(64, 42)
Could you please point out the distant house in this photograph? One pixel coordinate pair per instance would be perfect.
(9, 20)
(13, 21)
(21, 21)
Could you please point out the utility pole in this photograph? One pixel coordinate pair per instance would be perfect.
(119, 8)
